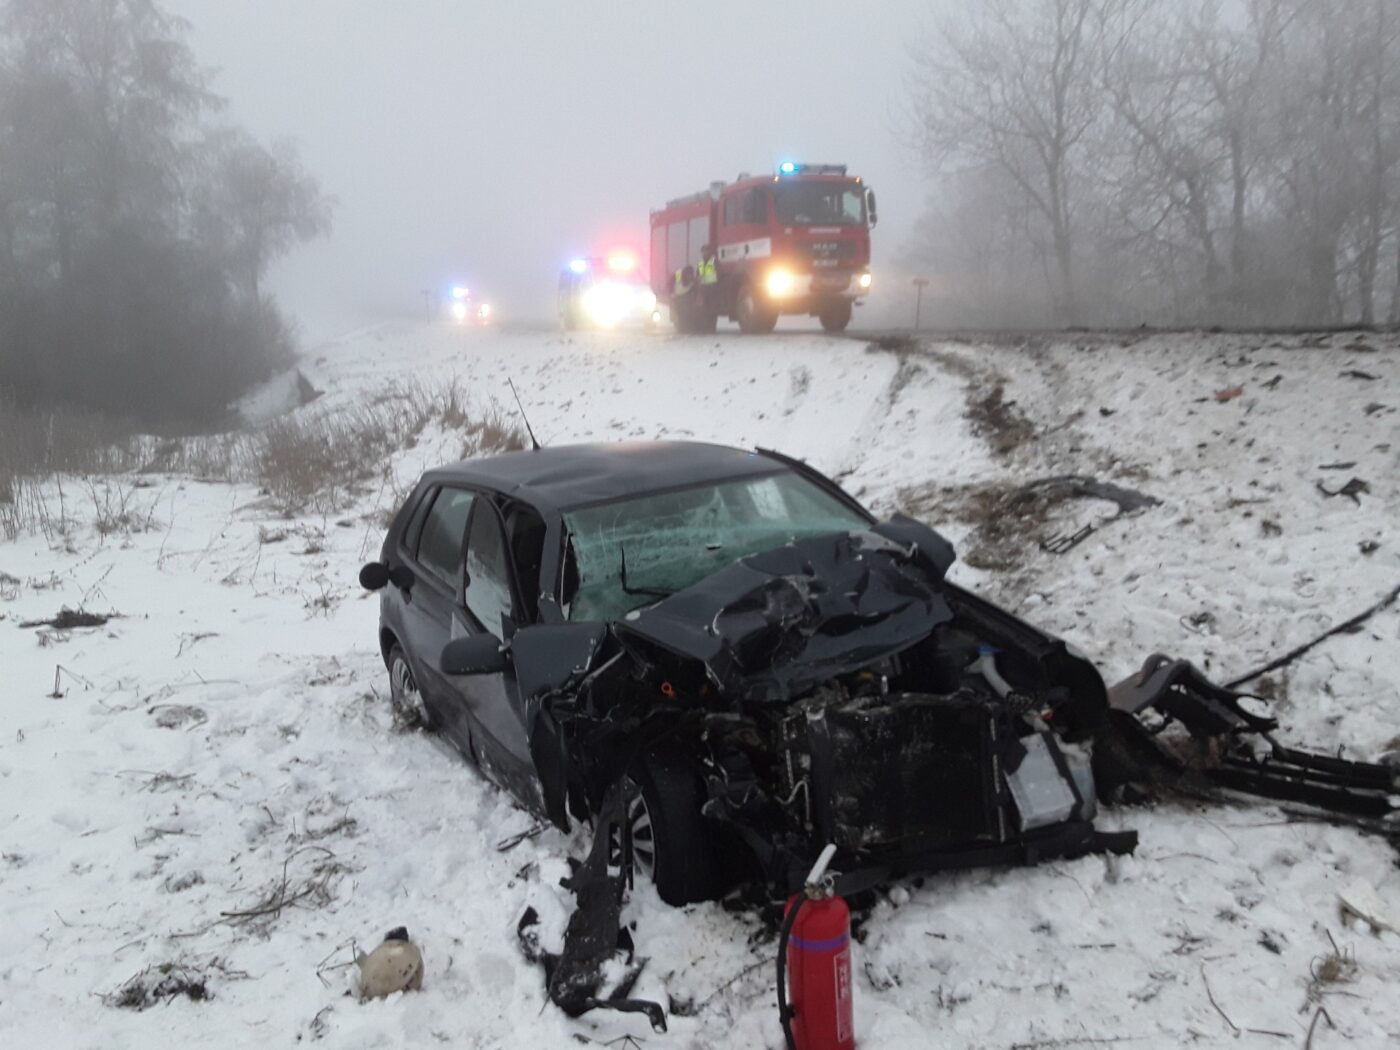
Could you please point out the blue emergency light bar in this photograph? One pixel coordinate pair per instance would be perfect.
(789, 167)
(578, 265)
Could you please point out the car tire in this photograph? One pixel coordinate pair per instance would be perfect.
(405, 697)
(753, 317)
(835, 316)
(672, 842)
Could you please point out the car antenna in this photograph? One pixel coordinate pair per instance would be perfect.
(534, 444)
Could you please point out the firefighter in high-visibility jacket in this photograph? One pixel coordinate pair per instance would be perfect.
(706, 271)
(707, 277)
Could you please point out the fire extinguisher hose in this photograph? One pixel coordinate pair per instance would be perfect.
(785, 1012)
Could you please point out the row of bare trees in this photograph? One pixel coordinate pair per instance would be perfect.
(135, 223)
(1163, 161)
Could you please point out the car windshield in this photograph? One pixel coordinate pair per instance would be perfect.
(633, 552)
(820, 204)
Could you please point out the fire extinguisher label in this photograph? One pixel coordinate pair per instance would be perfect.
(844, 1021)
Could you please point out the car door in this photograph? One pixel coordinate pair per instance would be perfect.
(431, 614)
(491, 606)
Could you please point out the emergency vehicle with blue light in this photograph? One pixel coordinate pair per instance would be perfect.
(794, 242)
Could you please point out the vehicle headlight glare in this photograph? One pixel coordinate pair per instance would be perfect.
(605, 303)
(779, 282)
(459, 310)
(865, 281)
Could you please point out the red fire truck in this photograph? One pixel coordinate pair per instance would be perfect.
(795, 242)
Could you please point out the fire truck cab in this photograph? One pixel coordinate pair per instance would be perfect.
(795, 242)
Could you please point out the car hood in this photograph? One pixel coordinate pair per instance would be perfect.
(775, 624)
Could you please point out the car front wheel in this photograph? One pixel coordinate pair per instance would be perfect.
(672, 844)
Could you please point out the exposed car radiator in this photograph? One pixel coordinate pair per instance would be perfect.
(888, 770)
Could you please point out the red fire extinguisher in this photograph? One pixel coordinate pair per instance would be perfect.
(815, 949)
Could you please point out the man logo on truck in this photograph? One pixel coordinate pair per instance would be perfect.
(797, 242)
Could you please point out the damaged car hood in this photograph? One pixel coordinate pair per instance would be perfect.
(774, 624)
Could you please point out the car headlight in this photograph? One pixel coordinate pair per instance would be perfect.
(864, 282)
(779, 282)
(606, 303)
(485, 311)
(459, 310)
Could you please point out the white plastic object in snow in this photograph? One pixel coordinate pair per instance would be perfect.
(1362, 900)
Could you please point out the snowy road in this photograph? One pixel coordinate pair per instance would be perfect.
(224, 744)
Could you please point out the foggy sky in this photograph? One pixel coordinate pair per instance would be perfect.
(490, 142)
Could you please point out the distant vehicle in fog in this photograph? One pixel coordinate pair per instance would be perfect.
(795, 242)
(606, 292)
(464, 309)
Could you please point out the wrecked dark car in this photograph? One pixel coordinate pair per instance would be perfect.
(764, 668)
(762, 665)
(724, 663)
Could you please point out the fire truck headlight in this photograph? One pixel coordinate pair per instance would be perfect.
(484, 311)
(864, 282)
(779, 282)
(459, 310)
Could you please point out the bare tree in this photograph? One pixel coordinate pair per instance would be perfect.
(1012, 89)
(124, 241)
(257, 203)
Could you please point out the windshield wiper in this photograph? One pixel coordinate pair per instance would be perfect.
(643, 592)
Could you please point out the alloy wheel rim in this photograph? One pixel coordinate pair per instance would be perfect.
(643, 832)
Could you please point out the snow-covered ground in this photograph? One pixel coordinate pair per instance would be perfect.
(224, 743)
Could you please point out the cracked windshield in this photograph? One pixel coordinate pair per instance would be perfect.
(634, 552)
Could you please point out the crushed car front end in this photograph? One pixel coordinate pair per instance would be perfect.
(838, 690)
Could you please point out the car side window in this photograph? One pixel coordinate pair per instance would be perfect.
(414, 529)
(440, 546)
(488, 591)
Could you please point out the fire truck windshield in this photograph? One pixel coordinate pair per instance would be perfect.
(820, 204)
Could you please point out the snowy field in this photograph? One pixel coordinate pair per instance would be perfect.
(209, 786)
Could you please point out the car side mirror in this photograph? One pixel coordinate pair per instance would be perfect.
(376, 576)
(475, 654)
(870, 208)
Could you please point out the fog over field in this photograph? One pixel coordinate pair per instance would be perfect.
(491, 143)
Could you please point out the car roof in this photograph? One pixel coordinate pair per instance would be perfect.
(566, 476)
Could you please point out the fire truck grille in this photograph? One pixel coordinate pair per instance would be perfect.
(829, 253)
